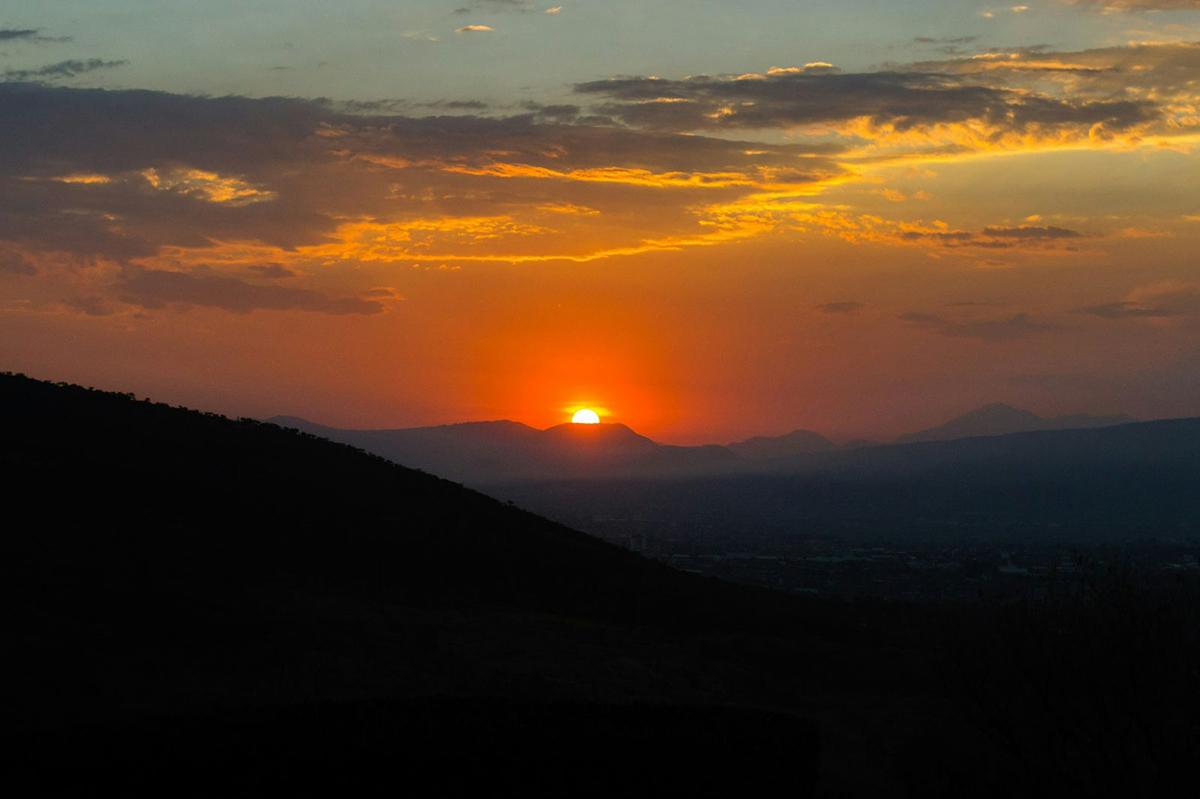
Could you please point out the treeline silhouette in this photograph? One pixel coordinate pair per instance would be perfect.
(205, 605)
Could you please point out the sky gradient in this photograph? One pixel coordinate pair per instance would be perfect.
(710, 219)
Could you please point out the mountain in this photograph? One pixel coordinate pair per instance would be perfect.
(999, 419)
(481, 453)
(1125, 482)
(500, 452)
(796, 442)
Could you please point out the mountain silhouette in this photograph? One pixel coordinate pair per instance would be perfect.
(499, 452)
(1090, 485)
(796, 442)
(998, 419)
(494, 452)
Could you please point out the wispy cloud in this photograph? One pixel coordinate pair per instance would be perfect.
(62, 70)
(840, 307)
(1137, 5)
(154, 288)
(1009, 328)
(33, 35)
(1156, 301)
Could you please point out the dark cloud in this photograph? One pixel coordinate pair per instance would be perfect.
(562, 112)
(30, 35)
(272, 271)
(121, 174)
(460, 105)
(1006, 329)
(901, 100)
(1125, 310)
(62, 70)
(498, 7)
(12, 263)
(1031, 232)
(1155, 302)
(944, 39)
(947, 45)
(155, 288)
(1139, 5)
(395, 105)
(840, 307)
(1163, 71)
(994, 237)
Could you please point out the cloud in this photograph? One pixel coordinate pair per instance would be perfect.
(499, 7)
(62, 70)
(272, 271)
(1156, 301)
(258, 190)
(840, 307)
(168, 186)
(154, 288)
(1138, 5)
(30, 35)
(992, 237)
(12, 263)
(1010, 328)
(944, 39)
(208, 186)
(1031, 233)
(948, 45)
(880, 103)
(1002, 99)
(1124, 310)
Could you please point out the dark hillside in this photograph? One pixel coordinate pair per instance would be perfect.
(214, 607)
(122, 492)
(195, 594)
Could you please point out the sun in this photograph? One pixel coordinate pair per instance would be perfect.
(585, 416)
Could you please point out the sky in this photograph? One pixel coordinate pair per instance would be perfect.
(708, 220)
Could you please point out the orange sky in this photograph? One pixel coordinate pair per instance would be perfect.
(706, 258)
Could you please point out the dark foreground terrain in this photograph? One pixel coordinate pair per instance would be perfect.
(214, 607)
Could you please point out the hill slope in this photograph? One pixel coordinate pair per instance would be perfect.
(183, 579)
(207, 607)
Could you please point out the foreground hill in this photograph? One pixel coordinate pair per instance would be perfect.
(182, 578)
(201, 606)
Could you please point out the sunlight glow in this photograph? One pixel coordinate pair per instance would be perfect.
(585, 416)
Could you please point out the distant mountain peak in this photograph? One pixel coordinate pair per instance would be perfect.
(797, 442)
(998, 419)
(1000, 407)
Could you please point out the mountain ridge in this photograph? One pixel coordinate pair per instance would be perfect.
(499, 451)
(999, 418)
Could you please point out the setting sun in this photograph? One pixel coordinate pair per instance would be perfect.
(585, 416)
